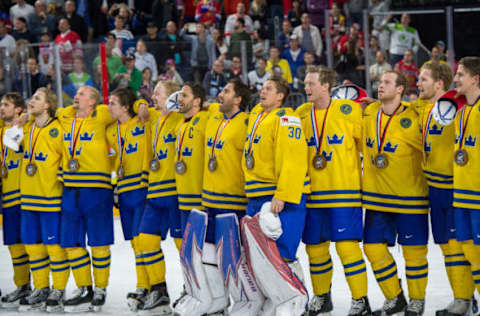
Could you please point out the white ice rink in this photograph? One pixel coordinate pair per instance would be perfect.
(123, 278)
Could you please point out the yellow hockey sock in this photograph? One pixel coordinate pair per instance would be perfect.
(21, 268)
(321, 267)
(472, 253)
(142, 276)
(101, 265)
(178, 243)
(416, 267)
(354, 267)
(458, 270)
(59, 266)
(79, 260)
(384, 268)
(39, 264)
(152, 256)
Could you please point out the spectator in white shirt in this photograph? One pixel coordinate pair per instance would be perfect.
(120, 31)
(309, 36)
(257, 77)
(21, 9)
(377, 69)
(6, 40)
(232, 19)
(144, 59)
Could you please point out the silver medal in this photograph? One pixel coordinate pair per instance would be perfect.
(180, 167)
(249, 161)
(212, 164)
(31, 169)
(381, 161)
(319, 162)
(73, 164)
(154, 164)
(461, 157)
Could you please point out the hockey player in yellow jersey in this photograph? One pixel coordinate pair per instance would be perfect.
(87, 200)
(41, 194)
(11, 105)
(438, 143)
(189, 164)
(395, 195)
(224, 198)
(333, 130)
(128, 140)
(275, 167)
(161, 213)
(466, 183)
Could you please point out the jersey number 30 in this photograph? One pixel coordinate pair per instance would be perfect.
(294, 132)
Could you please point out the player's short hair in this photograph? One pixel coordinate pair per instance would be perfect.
(281, 85)
(15, 98)
(127, 99)
(325, 75)
(400, 80)
(169, 86)
(472, 65)
(440, 72)
(197, 90)
(241, 90)
(51, 99)
(94, 93)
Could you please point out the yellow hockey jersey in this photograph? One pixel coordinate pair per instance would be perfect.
(438, 142)
(86, 139)
(466, 183)
(13, 162)
(161, 183)
(44, 148)
(279, 151)
(130, 148)
(191, 143)
(224, 187)
(339, 183)
(401, 186)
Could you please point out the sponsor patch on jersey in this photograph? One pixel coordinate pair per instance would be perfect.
(290, 121)
(281, 113)
(346, 109)
(196, 121)
(406, 122)
(53, 132)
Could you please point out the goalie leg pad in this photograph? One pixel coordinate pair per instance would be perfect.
(214, 278)
(237, 277)
(198, 298)
(274, 277)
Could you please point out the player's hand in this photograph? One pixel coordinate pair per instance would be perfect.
(366, 101)
(21, 120)
(143, 114)
(277, 205)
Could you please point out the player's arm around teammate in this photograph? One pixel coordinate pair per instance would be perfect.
(395, 195)
(41, 193)
(333, 130)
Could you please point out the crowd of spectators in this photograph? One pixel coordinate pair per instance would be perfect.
(208, 41)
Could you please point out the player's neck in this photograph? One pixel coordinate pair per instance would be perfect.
(10, 122)
(124, 118)
(269, 109)
(192, 112)
(390, 106)
(322, 102)
(164, 112)
(437, 96)
(232, 112)
(472, 96)
(83, 113)
(42, 119)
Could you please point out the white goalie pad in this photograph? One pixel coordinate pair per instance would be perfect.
(237, 277)
(275, 278)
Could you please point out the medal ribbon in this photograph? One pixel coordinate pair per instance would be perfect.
(73, 140)
(256, 124)
(313, 118)
(157, 133)
(381, 138)
(31, 145)
(463, 126)
(180, 140)
(4, 151)
(121, 146)
(426, 129)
